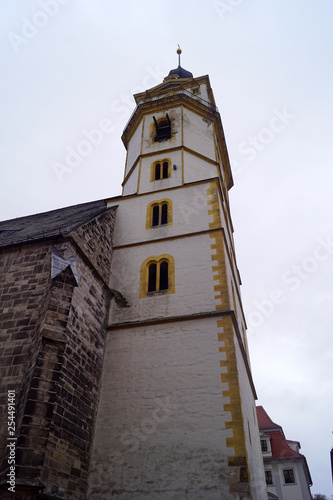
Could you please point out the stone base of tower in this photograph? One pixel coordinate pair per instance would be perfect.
(163, 430)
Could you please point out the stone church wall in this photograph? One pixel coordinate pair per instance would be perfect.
(53, 334)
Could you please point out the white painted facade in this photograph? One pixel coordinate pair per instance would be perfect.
(177, 416)
(286, 470)
(282, 490)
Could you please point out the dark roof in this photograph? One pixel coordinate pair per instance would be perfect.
(49, 224)
(181, 72)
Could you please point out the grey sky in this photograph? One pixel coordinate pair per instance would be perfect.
(71, 66)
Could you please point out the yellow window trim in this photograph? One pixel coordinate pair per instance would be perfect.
(144, 275)
(152, 170)
(150, 208)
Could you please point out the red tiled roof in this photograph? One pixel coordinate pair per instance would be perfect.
(279, 444)
(280, 447)
(264, 420)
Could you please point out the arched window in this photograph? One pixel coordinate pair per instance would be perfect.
(156, 215)
(164, 214)
(164, 279)
(165, 169)
(160, 169)
(159, 213)
(157, 276)
(152, 274)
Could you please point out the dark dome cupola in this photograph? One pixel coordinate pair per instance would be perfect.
(180, 72)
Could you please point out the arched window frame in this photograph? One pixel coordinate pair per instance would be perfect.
(162, 169)
(144, 275)
(150, 213)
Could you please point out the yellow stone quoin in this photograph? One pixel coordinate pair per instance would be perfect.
(226, 336)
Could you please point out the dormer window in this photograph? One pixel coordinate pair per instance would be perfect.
(163, 128)
(264, 446)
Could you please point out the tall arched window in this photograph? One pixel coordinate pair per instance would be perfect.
(164, 214)
(165, 169)
(152, 274)
(157, 276)
(164, 278)
(156, 215)
(157, 171)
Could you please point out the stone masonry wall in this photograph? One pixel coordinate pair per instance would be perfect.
(53, 334)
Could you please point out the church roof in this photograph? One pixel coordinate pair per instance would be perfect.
(49, 224)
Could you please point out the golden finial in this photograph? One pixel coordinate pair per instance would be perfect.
(179, 51)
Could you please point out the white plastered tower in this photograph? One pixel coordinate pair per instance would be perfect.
(177, 414)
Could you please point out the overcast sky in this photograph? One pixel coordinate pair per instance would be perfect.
(69, 65)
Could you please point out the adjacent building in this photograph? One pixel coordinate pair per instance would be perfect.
(286, 470)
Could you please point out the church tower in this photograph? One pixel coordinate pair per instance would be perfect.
(177, 416)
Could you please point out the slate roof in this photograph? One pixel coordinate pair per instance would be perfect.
(49, 224)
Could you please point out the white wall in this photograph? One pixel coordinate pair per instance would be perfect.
(198, 134)
(131, 185)
(194, 285)
(133, 148)
(160, 424)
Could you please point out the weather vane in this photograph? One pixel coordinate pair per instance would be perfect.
(179, 51)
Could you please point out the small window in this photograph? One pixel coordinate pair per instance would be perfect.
(156, 215)
(264, 446)
(195, 91)
(160, 169)
(157, 276)
(165, 169)
(157, 171)
(162, 128)
(159, 213)
(152, 273)
(289, 477)
(164, 215)
(269, 477)
(164, 281)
